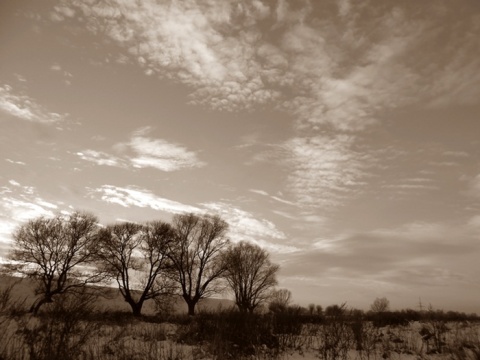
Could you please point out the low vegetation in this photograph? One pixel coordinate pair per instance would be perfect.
(69, 259)
(72, 327)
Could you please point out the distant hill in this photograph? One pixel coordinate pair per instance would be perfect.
(24, 290)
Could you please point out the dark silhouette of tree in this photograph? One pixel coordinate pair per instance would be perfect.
(250, 275)
(196, 255)
(280, 300)
(52, 250)
(136, 256)
(380, 305)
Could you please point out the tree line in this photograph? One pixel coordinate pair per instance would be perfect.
(190, 256)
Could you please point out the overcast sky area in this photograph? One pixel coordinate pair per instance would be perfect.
(342, 136)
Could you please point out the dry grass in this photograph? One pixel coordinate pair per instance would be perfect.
(73, 328)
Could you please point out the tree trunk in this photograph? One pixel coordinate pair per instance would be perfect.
(38, 303)
(191, 307)
(136, 307)
(242, 308)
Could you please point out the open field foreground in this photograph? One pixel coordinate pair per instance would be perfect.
(72, 328)
(45, 338)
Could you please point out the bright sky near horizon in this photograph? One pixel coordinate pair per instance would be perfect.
(342, 136)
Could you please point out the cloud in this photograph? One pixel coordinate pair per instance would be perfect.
(62, 12)
(326, 169)
(342, 73)
(243, 225)
(162, 155)
(201, 44)
(66, 75)
(458, 154)
(20, 203)
(25, 108)
(475, 186)
(248, 227)
(475, 222)
(260, 192)
(156, 153)
(336, 67)
(397, 257)
(15, 162)
(134, 196)
(276, 198)
(56, 67)
(100, 158)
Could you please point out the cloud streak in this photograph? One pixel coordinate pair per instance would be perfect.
(134, 196)
(413, 254)
(243, 225)
(25, 108)
(162, 155)
(248, 227)
(155, 153)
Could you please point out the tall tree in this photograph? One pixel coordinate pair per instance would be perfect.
(136, 256)
(52, 250)
(250, 275)
(196, 255)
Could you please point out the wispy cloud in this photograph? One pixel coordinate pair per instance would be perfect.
(134, 196)
(259, 192)
(161, 154)
(390, 258)
(474, 186)
(326, 169)
(15, 162)
(273, 197)
(25, 108)
(101, 158)
(457, 154)
(66, 74)
(243, 225)
(18, 204)
(156, 153)
(246, 226)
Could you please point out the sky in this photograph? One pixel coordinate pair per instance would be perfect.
(341, 136)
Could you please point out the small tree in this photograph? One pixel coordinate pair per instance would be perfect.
(380, 305)
(280, 300)
(51, 250)
(136, 256)
(250, 275)
(197, 254)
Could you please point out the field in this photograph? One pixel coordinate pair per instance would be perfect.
(83, 327)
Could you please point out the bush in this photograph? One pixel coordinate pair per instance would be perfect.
(231, 334)
(61, 331)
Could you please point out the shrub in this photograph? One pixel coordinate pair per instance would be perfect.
(61, 331)
(231, 334)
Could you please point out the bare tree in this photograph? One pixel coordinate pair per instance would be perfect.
(380, 305)
(136, 256)
(196, 255)
(51, 250)
(280, 300)
(250, 275)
